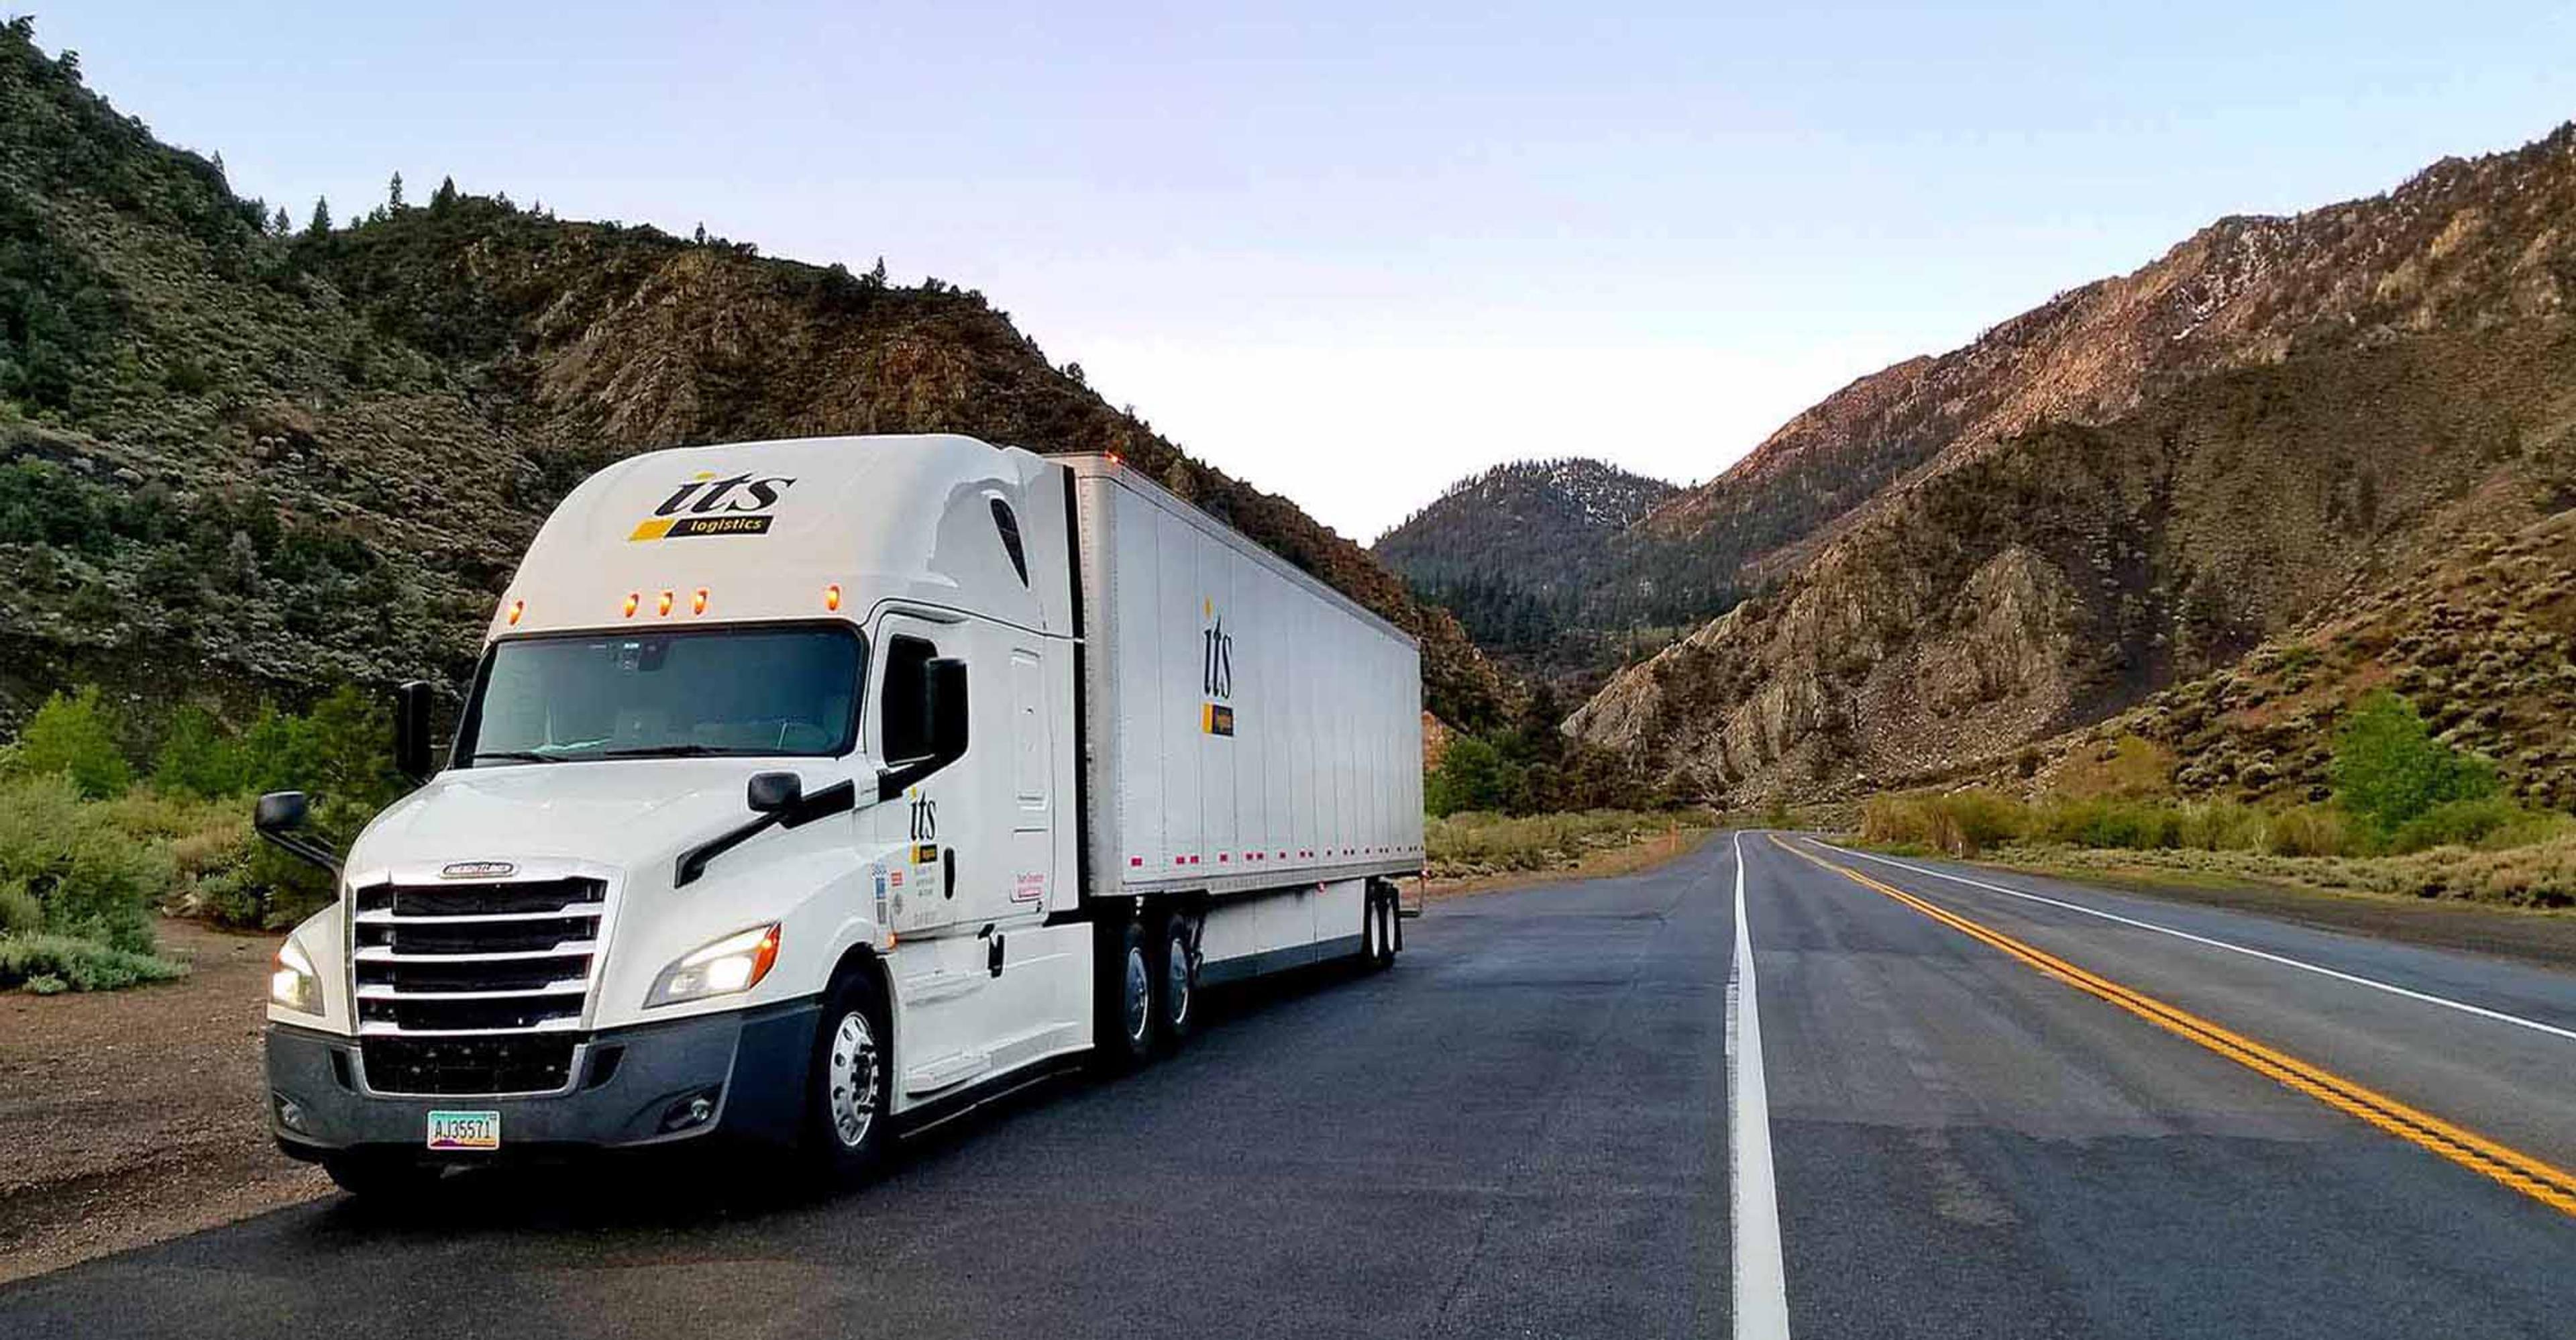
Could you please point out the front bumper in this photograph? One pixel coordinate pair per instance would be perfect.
(749, 1064)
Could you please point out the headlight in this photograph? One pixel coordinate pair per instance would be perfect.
(733, 964)
(295, 985)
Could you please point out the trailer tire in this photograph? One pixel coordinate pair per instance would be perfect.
(1124, 1012)
(1176, 976)
(382, 1178)
(1377, 930)
(849, 1101)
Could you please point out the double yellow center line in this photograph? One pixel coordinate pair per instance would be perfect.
(2543, 1182)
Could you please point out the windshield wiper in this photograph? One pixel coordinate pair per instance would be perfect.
(515, 756)
(666, 751)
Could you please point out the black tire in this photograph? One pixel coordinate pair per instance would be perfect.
(382, 1178)
(1124, 1013)
(849, 1098)
(1176, 977)
(1386, 913)
(1377, 931)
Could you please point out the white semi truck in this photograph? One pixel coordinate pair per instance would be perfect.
(808, 789)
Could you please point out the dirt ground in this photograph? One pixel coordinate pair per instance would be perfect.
(128, 1117)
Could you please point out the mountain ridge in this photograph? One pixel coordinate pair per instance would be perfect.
(2126, 487)
(238, 462)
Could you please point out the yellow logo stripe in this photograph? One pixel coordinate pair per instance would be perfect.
(650, 528)
(2550, 1185)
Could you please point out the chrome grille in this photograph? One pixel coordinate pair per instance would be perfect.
(475, 958)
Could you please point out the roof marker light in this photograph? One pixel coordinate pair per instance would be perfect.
(517, 608)
(832, 596)
(698, 601)
(663, 606)
(633, 599)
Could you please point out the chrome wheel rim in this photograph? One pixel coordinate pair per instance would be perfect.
(1140, 994)
(1178, 979)
(853, 1075)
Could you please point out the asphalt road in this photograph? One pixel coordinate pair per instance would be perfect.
(1524, 1129)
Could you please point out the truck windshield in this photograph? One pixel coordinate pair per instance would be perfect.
(764, 691)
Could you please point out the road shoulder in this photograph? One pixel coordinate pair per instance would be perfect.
(2547, 939)
(135, 1116)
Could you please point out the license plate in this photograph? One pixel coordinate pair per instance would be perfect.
(465, 1130)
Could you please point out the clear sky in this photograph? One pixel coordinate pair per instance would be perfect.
(1352, 251)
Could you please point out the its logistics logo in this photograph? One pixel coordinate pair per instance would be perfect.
(738, 505)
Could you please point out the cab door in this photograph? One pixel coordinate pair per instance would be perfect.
(937, 858)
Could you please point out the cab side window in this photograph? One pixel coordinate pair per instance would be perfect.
(904, 703)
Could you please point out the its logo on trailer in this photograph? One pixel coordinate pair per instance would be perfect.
(713, 507)
(1216, 672)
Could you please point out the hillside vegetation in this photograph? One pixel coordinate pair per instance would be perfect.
(1541, 561)
(244, 457)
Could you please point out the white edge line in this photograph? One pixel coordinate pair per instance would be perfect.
(2445, 1002)
(1761, 1302)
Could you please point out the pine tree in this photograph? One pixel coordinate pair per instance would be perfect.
(281, 225)
(877, 276)
(393, 193)
(445, 195)
(700, 237)
(321, 218)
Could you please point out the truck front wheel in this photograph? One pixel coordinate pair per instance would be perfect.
(852, 1080)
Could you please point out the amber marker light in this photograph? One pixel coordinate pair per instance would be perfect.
(832, 596)
(698, 601)
(663, 606)
(517, 608)
(633, 599)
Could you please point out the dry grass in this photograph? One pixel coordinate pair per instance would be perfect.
(1477, 845)
(2538, 875)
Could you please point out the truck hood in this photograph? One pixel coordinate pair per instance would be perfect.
(613, 813)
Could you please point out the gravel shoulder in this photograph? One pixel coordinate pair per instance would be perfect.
(130, 1117)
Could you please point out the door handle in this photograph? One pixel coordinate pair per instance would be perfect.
(948, 872)
(992, 955)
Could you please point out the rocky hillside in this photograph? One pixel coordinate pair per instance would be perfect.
(1538, 559)
(242, 459)
(2461, 245)
(2133, 486)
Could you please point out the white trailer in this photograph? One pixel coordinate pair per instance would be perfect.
(808, 788)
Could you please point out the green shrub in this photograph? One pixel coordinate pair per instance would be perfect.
(46, 964)
(2137, 825)
(197, 759)
(2219, 825)
(1472, 775)
(2472, 823)
(75, 736)
(2309, 830)
(1962, 823)
(91, 879)
(2388, 769)
(20, 913)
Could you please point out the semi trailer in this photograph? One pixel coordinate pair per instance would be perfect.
(808, 790)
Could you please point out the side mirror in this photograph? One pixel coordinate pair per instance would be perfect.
(280, 812)
(774, 792)
(411, 731)
(277, 818)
